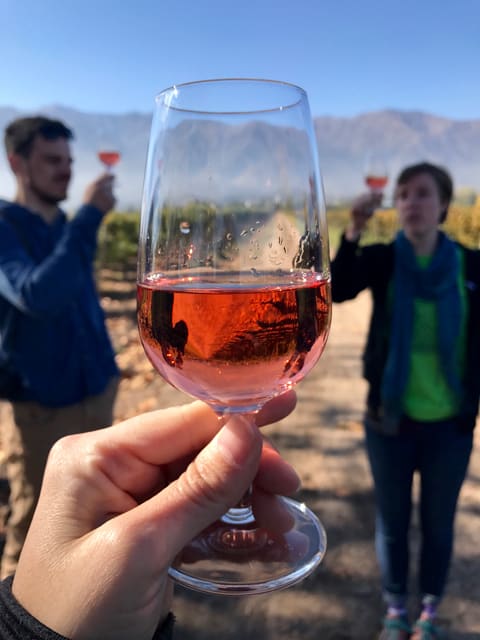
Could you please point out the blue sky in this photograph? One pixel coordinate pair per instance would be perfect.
(351, 56)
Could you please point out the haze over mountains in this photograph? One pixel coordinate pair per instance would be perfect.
(401, 137)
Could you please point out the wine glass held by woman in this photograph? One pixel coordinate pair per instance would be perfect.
(376, 177)
(117, 505)
(375, 172)
(234, 292)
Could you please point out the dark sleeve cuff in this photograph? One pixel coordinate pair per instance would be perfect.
(16, 623)
(165, 631)
(349, 243)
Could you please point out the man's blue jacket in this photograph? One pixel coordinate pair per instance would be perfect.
(52, 328)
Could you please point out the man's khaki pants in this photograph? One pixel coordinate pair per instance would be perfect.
(27, 435)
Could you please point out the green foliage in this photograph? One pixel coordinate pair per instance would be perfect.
(463, 224)
(381, 228)
(118, 237)
(465, 196)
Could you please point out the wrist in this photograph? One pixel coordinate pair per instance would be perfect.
(18, 621)
(352, 234)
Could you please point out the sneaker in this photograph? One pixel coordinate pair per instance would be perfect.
(395, 628)
(426, 630)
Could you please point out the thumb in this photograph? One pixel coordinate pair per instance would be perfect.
(213, 482)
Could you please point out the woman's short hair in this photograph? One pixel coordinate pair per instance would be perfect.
(441, 177)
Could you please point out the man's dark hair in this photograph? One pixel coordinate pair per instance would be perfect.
(441, 177)
(20, 134)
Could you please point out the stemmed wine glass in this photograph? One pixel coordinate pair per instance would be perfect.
(375, 173)
(234, 300)
(109, 158)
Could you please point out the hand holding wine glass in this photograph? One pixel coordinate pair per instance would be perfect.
(99, 193)
(365, 205)
(234, 292)
(362, 209)
(119, 503)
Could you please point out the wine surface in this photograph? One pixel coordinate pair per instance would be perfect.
(110, 158)
(234, 346)
(376, 182)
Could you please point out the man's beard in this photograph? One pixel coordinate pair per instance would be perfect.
(45, 196)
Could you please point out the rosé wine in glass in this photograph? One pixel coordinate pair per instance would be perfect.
(109, 158)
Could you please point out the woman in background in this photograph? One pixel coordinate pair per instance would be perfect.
(422, 362)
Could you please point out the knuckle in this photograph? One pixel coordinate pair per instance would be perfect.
(202, 488)
(64, 446)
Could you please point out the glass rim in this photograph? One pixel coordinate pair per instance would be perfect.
(173, 90)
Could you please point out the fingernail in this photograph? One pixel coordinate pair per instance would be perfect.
(236, 438)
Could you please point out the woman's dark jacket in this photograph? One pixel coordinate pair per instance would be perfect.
(17, 624)
(371, 267)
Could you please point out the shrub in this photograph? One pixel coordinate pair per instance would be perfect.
(118, 239)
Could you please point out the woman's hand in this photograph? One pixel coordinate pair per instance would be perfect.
(362, 210)
(118, 504)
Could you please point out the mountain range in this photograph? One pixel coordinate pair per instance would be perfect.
(401, 137)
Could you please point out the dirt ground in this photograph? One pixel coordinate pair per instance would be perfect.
(323, 440)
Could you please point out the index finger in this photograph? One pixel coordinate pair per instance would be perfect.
(158, 437)
(161, 436)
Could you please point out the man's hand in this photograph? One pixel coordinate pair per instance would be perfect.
(100, 193)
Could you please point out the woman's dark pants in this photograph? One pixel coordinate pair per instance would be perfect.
(440, 453)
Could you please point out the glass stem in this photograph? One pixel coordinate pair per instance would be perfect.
(242, 513)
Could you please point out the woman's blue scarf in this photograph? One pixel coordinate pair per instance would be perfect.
(439, 283)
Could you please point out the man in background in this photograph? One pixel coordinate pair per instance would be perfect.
(57, 365)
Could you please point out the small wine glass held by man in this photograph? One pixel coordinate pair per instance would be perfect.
(57, 365)
(422, 363)
(109, 159)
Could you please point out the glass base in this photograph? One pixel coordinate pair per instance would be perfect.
(246, 559)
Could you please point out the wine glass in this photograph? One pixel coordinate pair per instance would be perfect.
(233, 293)
(376, 174)
(109, 158)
